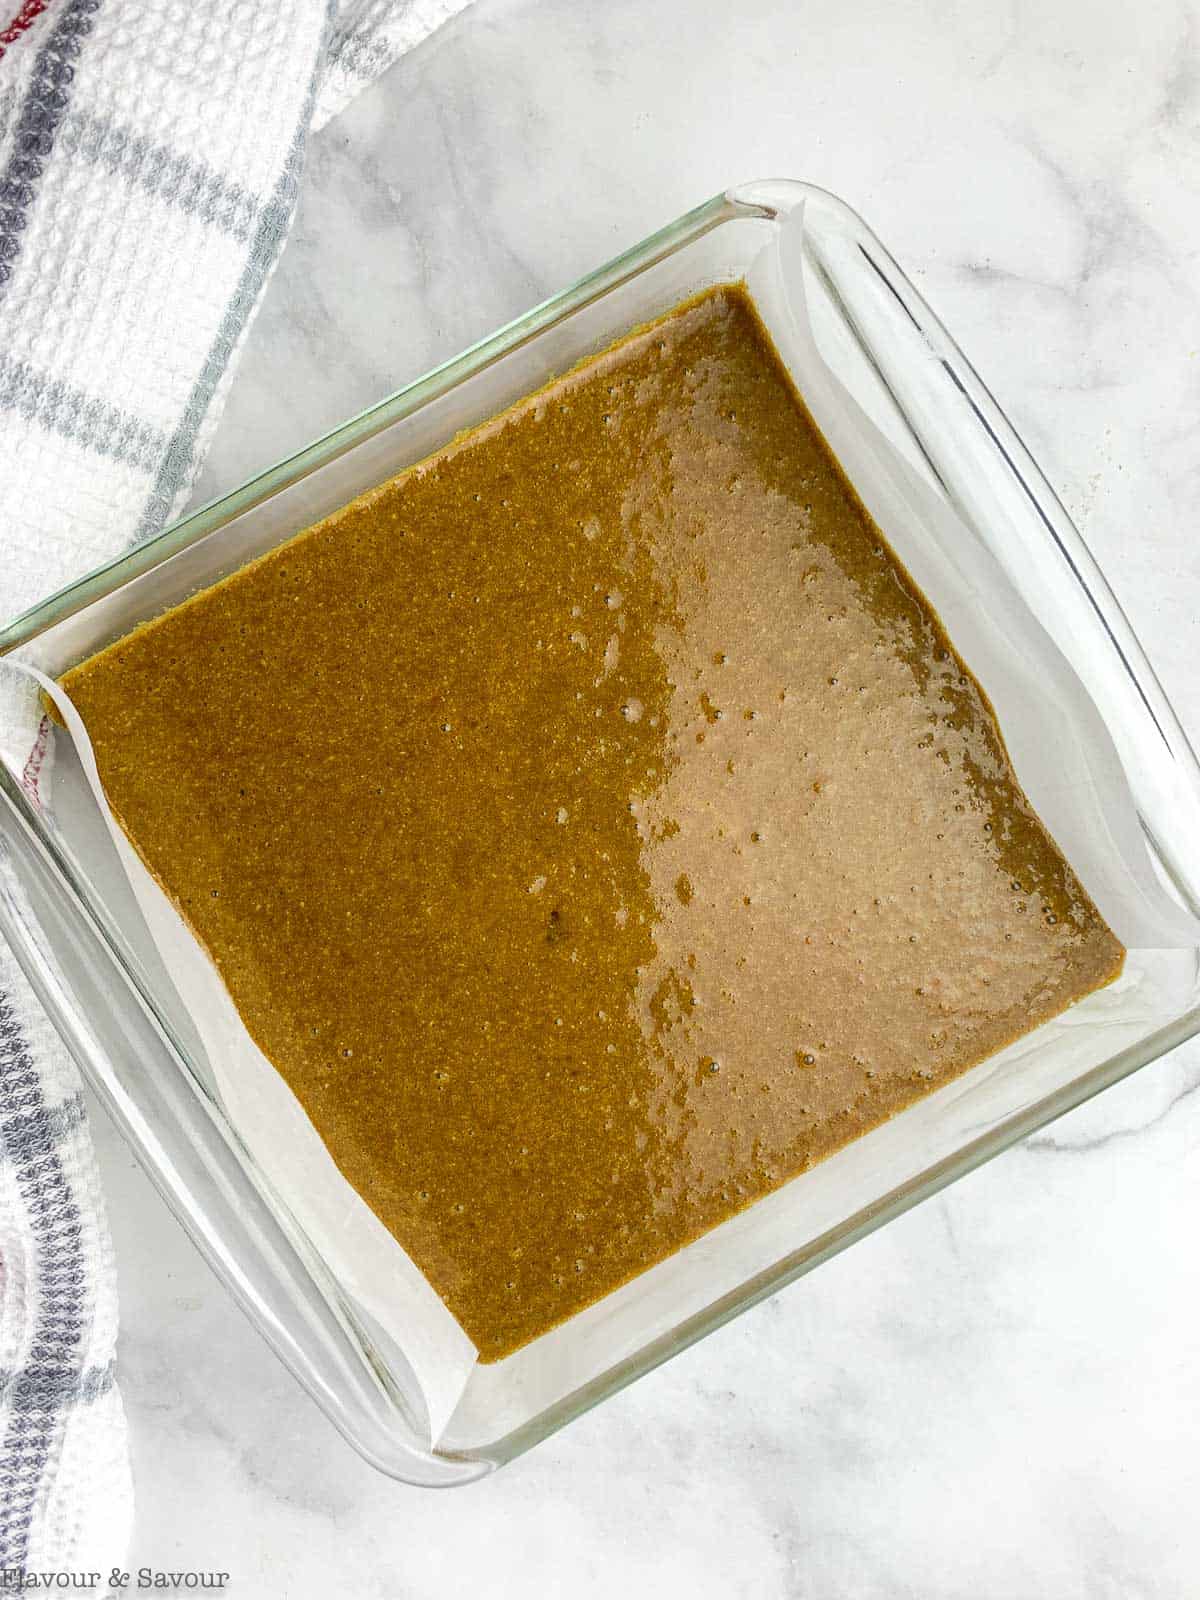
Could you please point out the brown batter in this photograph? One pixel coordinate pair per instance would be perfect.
(593, 824)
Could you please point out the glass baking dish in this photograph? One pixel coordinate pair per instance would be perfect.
(1001, 560)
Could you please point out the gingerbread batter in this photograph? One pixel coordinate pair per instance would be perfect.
(593, 824)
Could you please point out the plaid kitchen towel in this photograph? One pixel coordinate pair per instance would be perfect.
(149, 157)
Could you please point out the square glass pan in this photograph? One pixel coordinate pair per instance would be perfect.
(69, 916)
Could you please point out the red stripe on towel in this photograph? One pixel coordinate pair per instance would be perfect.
(30, 11)
(35, 762)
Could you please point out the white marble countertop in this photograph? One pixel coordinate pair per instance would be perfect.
(999, 1395)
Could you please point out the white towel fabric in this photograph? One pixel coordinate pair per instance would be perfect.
(150, 152)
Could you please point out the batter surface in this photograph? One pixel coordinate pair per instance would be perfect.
(593, 824)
